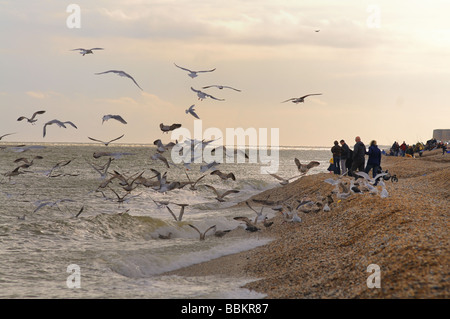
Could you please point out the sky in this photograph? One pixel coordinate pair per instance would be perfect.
(382, 68)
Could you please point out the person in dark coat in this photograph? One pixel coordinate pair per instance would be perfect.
(345, 154)
(374, 161)
(336, 150)
(359, 152)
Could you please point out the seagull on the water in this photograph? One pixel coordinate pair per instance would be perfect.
(86, 51)
(121, 73)
(115, 117)
(202, 235)
(59, 123)
(221, 87)
(32, 119)
(191, 111)
(202, 95)
(108, 142)
(301, 99)
(304, 168)
(192, 73)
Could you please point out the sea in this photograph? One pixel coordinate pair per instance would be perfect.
(116, 249)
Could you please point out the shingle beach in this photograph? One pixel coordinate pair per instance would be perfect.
(327, 254)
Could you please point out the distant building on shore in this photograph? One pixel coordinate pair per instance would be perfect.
(441, 135)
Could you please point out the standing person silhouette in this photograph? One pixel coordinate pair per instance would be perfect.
(345, 155)
(374, 161)
(359, 152)
(336, 150)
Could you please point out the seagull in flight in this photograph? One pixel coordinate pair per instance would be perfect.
(304, 168)
(301, 99)
(59, 123)
(121, 73)
(202, 235)
(259, 215)
(221, 87)
(180, 215)
(222, 175)
(191, 111)
(167, 128)
(283, 181)
(115, 117)
(108, 142)
(86, 51)
(202, 95)
(32, 119)
(193, 74)
(220, 196)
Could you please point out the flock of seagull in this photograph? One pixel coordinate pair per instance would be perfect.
(158, 182)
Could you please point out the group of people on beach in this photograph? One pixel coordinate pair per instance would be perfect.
(409, 150)
(346, 161)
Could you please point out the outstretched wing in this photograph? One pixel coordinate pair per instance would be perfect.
(294, 98)
(312, 164)
(205, 71)
(129, 76)
(171, 212)
(231, 191)
(182, 68)
(70, 123)
(214, 98)
(93, 139)
(36, 113)
(117, 138)
(297, 162)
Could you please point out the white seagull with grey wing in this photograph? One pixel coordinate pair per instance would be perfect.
(121, 73)
(193, 74)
